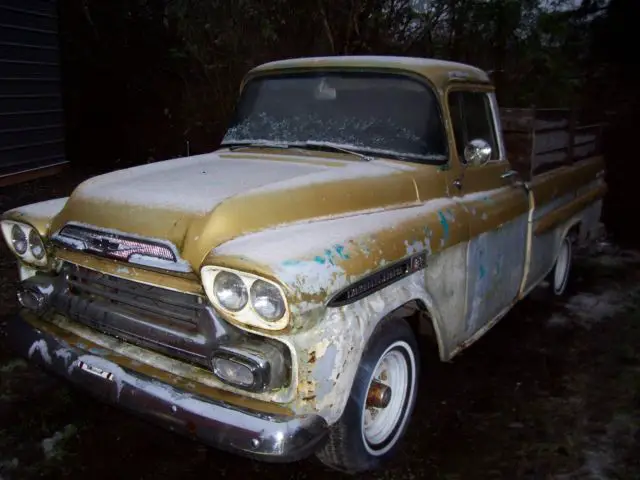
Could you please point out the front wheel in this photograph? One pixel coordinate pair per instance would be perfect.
(382, 399)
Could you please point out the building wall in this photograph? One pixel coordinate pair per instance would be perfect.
(31, 116)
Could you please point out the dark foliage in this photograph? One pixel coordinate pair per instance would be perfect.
(152, 79)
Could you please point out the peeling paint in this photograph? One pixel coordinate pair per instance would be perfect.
(65, 354)
(415, 247)
(41, 347)
(323, 372)
(445, 225)
(321, 347)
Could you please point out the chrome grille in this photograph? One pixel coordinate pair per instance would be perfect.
(125, 247)
(179, 324)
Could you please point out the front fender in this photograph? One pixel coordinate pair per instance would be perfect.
(329, 353)
(316, 260)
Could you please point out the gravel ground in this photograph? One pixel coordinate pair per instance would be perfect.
(553, 391)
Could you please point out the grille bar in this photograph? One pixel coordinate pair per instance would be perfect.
(118, 297)
(178, 324)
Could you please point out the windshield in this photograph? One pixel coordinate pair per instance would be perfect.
(388, 115)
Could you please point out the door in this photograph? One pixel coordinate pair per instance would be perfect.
(498, 211)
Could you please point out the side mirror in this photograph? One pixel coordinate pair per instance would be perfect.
(477, 152)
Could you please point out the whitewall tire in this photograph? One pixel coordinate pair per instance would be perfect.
(382, 400)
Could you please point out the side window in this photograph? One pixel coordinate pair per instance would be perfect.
(472, 118)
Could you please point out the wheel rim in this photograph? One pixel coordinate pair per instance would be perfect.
(562, 267)
(381, 426)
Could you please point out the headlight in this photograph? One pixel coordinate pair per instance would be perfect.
(19, 239)
(35, 245)
(267, 301)
(230, 291)
(24, 241)
(246, 298)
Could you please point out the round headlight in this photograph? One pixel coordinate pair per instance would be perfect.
(19, 240)
(267, 301)
(230, 291)
(36, 245)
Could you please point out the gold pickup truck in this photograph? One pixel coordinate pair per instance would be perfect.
(266, 297)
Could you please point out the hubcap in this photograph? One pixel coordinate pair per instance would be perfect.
(386, 397)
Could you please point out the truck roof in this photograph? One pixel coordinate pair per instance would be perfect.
(439, 72)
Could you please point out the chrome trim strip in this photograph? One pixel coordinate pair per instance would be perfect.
(378, 280)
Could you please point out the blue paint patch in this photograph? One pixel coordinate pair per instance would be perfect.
(291, 263)
(483, 272)
(340, 251)
(445, 224)
(329, 256)
(452, 217)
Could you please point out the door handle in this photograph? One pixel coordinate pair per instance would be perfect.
(457, 183)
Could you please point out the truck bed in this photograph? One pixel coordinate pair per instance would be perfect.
(539, 140)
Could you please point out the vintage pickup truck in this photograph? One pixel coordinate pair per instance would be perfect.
(266, 298)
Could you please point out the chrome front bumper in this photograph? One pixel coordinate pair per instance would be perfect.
(268, 437)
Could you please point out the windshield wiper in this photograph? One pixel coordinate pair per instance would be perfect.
(334, 147)
(236, 146)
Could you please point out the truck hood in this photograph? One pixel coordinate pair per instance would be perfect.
(199, 202)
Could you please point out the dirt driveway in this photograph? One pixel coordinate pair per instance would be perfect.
(553, 391)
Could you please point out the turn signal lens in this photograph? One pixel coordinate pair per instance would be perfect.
(233, 372)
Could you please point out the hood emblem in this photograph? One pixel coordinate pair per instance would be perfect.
(103, 244)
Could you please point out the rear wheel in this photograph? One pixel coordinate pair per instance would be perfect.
(382, 399)
(559, 276)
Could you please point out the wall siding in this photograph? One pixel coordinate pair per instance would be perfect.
(31, 115)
